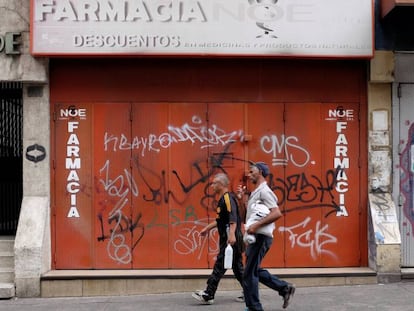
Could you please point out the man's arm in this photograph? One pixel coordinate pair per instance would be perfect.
(207, 228)
(242, 197)
(231, 239)
(274, 215)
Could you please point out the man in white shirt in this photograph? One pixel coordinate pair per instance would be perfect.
(263, 231)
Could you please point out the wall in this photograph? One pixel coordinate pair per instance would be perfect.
(32, 244)
(384, 250)
(14, 16)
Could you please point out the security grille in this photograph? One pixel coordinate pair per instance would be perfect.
(11, 149)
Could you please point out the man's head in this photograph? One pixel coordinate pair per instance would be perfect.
(258, 171)
(263, 168)
(220, 182)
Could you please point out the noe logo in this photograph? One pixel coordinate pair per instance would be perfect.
(340, 113)
(264, 12)
(10, 43)
(72, 112)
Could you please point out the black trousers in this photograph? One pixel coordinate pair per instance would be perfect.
(218, 270)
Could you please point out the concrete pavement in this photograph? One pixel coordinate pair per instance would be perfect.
(378, 297)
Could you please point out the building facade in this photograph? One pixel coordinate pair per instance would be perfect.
(122, 132)
(395, 41)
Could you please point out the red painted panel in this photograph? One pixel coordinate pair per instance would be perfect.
(73, 189)
(266, 126)
(206, 80)
(173, 171)
(151, 172)
(225, 140)
(227, 130)
(114, 186)
(302, 143)
(304, 192)
(342, 152)
(189, 181)
(318, 228)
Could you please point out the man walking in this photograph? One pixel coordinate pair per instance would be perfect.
(262, 228)
(228, 225)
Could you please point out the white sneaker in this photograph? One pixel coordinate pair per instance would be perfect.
(240, 298)
(203, 297)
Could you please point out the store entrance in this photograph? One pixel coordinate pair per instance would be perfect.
(136, 141)
(132, 181)
(11, 161)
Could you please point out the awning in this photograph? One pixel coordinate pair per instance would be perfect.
(388, 5)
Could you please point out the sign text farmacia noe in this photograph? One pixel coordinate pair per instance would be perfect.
(120, 10)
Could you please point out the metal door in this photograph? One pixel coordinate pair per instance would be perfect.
(150, 161)
(187, 144)
(132, 181)
(11, 155)
(115, 229)
(225, 144)
(313, 150)
(73, 188)
(406, 167)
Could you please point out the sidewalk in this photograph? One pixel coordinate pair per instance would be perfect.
(378, 297)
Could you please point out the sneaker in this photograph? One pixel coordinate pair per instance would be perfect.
(203, 297)
(287, 297)
(240, 298)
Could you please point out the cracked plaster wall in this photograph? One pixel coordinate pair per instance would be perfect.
(15, 17)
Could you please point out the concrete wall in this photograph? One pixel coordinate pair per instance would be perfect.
(33, 238)
(379, 128)
(14, 16)
(32, 244)
(384, 254)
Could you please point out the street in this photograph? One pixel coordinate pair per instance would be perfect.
(378, 297)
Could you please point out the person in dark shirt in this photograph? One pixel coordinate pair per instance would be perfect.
(228, 225)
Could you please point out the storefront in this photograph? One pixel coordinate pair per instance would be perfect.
(140, 123)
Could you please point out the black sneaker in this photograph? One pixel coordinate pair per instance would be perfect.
(203, 297)
(287, 297)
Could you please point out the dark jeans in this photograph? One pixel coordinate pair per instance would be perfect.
(218, 270)
(253, 273)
